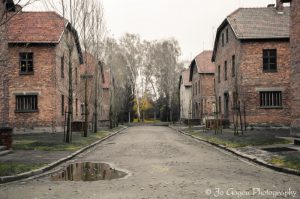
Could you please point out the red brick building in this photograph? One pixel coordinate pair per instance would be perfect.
(185, 95)
(295, 62)
(93, 77)
(39, 46)
(202, 72)
(105, 103)
(252, 59)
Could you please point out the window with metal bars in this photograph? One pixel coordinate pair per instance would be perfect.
(225, 70)
(269, 60)
(219, 74)
(26, 103)
(26, 63)
(62, 105)
(62, 67)
(233, 66)
(271, 99)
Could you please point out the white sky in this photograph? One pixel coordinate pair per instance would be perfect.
(192, 22)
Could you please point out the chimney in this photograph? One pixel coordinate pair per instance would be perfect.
(279, 5)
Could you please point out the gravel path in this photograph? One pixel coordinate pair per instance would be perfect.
(164, 164)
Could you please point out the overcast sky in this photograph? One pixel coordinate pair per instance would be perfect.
(192, 22)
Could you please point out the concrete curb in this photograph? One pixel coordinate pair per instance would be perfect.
(6, 179)
(245, 156)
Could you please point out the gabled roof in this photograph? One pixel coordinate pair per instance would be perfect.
(261, 23)
(203, 63)
(40, 28)
(256, 24)
(36, 27)
(184, 77)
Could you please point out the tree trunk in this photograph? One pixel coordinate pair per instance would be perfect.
(70, 100)
(86, 111)
(138, 106)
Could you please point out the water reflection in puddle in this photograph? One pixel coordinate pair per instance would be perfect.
(88, 171)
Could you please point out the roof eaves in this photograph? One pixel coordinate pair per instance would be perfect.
(33, 42)
(223, 24)
(270, 37)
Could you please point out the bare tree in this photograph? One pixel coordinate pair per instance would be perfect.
(71, 11)
(131, 48)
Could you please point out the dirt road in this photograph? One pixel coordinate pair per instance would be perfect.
(163, 164)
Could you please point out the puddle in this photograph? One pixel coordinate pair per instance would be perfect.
(278, 149)
(88, 171)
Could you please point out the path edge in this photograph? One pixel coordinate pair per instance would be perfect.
(6, 179)
(243, 156)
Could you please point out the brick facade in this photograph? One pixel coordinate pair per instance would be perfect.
(3, 67)
(295, 57)
(48, 81)
(246, 79)
(202, 78)
(94, 87)
(105, 99)
(185, 90)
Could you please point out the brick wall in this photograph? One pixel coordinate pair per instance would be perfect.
(105, 105)
(196, 97)
(203, 98)
(61, 84)
(225, 53)
(41, 82)
(207, 94)
(3, 69)
(253, 80)
(249, 79)
(46, 82)
(185, 100)
(295, 78)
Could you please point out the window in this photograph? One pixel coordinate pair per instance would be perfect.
(76, 108)
(76, 76)
(227, 37)
(26, 103)
(271, 99)
(199, 86)
(233, 66)
(196, 89)
(62, 105)
(219, 74)
(220, 105)
(26, 63)
(222, 39)
(225, 72)
(270, 60)
(62, 66)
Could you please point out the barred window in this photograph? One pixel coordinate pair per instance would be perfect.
(233, 66)
(270, 60)
(26, 63)
(271, 99)
(223, 40)
(219, 74)
(62, 105)
(62, 67)
(26, 103)
(227, 36)
(225, 70)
